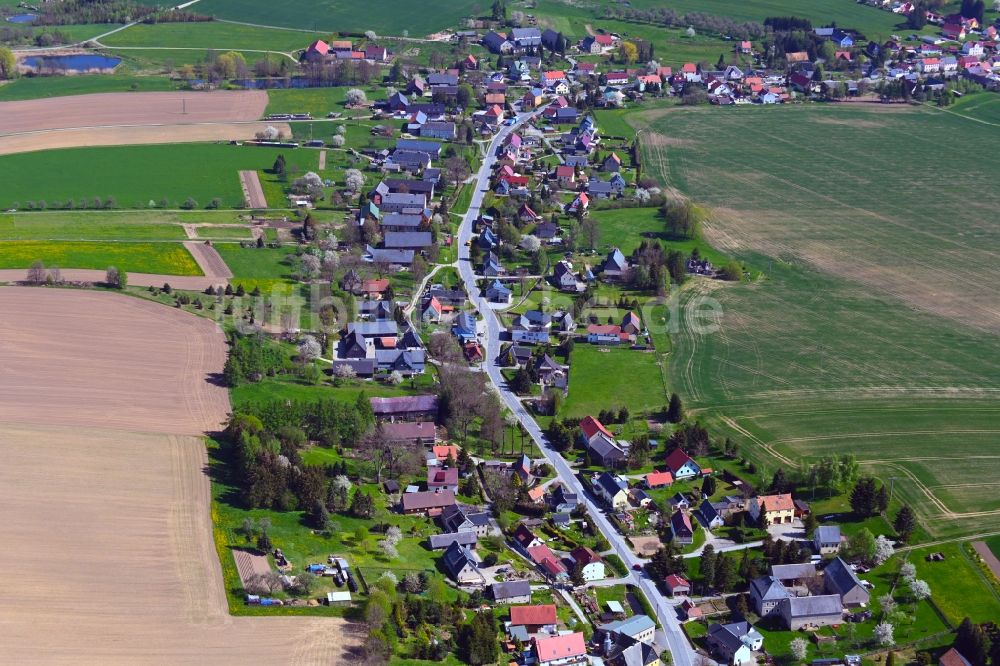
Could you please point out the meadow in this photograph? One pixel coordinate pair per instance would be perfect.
(874, 23)
(984, 106)
(136, 175)
(317, 101)
(58, 225)
(873, 327)
(626, 228)
(165, 258)
(605, 378)
(60, 86)
(217, 35)
(391, 17)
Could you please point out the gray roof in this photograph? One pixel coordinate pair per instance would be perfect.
(610, 483)
(517, 588)
(377, 328)
(827, 604)
(404, 360)
(405, 403)
(841, 577)
(439, 541)
(707, 512)
(401, 220)
(408, 239)
(414, 200)
(429, 147)
(437, 79)
(725, 635)
(604, 448)
(595, 186)
(413, 186)
(793, 571)
(768, 588)
(633, 626)
(404, 257)
(827, 534)
(457, 558)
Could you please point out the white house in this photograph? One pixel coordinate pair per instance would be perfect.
(592, 565)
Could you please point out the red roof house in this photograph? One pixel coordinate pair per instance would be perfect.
(659, 479)
(559, 648)
(533, 616)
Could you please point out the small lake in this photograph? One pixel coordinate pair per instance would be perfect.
(72, 63)
(22, 18)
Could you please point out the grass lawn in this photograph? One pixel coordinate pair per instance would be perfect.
(59, 86)
(957, 586)
(257, 266)
(288, 388)
(605, 378)
(136, 175)
(981, 106)
(213, 35)
(844, 344)
(390, 17)
(166, 258)
(83, 226)
(626, 228)
(317, 101)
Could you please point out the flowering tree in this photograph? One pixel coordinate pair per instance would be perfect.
(883, 549)
(309, 349)
(883, 634)
(356, 96)
(799, 647)
(920, 589)
(908, 571)
(354, 180)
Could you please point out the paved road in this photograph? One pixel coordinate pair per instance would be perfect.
(671, 637)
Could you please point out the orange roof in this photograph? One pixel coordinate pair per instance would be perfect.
(560, 647)
(496, 98)
(375, 285)
(442, 452)
(536, 493)
(591, 426)
(776, 502)
(554, 76)
(388, 342)
(539, 614)
(689, 67)
(953, 658)
(494, 111)
(654, 479)
(341, 46)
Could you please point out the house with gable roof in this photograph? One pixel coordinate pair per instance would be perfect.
(614, 265)
(734, 643)
(681, 529)
(681, 465)
(603, 448)
(591, 563)
(612, 489)
(839, 578)
(772, 509)
(560, 650)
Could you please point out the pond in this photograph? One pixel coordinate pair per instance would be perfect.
(22, 18)
(72, 63)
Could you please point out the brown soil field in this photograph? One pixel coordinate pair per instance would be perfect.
(105, 503)
(113, 109)
(127, 135)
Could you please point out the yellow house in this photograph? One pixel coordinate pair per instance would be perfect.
(773, 509)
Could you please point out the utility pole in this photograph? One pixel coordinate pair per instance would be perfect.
(892, 483)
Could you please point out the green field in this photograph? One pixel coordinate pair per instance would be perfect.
(983, 106)
(874, 23)
(70, 226)
(957, 586)
(317, 101)
(136, 175)
(212, 35)
(605, 378)
(866, 333)
(383, 16)
(60, 86)
(626, 228)
(165, 258)
(257, 267)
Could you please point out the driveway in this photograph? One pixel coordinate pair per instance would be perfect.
(793, 531)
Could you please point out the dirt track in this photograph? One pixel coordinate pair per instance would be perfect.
(152, 108)
(991, 560)
(253, 193)
(126, 136)
(106, 526)
(209, 260)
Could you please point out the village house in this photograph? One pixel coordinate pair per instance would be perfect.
(681, 465)
(826, 539)
(614, 266)
(560, 650)
(638, 628)
(612, 489)
(734, 643)
(767, 593)
(419, 432)
(772, 509)
(405, 408)
(461, 565)
(603, 448)
(442, 478)
(429, 502)
(532, 327)
(548, 562)
(590, 562)
(655, 480)
(525, 538)
(538, 619)
(677, 585)
(681, 529)
(445, 540)
(813, 611)
(514, 592)
(839, 578)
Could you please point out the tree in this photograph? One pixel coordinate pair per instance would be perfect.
(683, 219)
(883, 634)
(116, 278)
(354, 180)
(675, 410)
(799, 647)
(8, 63)
(810, 523)
(863, 497)
(883, 549)
(708, 486)
(37, 273)
(972, 642)
(920, 589)
(707, 566)
(278, 168)
(628, 52)
(905, 522)
(309, 349)
(862, 545)
(388, 549)
(887, 604)
(908, 571)
(590, 232)
(355, 97)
